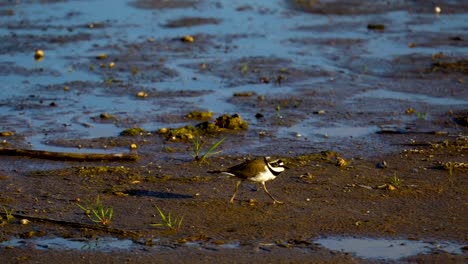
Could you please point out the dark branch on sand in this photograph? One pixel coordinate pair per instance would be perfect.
(117, 231)
(41, 154)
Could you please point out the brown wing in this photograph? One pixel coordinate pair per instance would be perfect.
(246, 169)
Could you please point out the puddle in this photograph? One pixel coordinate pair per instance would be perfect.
(387, 94)
(368, 248)
(101, 244)
(105, 244)
(314, 132)
(386, 249)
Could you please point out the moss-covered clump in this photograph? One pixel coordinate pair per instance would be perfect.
(183, 133)
(135, 131)
(231, 122)
(207, 128)
(189, 132)
(200, 115)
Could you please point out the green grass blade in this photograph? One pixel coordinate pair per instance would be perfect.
(212, 148)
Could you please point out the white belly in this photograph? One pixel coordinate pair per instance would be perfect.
(263, 177)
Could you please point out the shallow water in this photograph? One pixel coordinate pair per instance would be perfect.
(410, 97)
(102, 244)
(246, 29)
(367, 248)
(386, 249)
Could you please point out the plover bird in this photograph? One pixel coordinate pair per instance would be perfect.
(257, 170)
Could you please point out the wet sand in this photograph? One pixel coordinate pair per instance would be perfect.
(366, 105)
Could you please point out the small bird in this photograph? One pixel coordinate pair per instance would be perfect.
(257, 170)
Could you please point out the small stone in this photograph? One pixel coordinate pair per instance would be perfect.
(142, 94)
(39, 55)
(382, 165)
(133, 146)
(6, 133)
(105, 115)
(24, 221)
(409, 111)
(253, 202)
(375, 26)
(120, 194)
(101, 56)
(188, 38)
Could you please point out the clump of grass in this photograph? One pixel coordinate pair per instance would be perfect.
(8, 214)
(395, 181)
(279, 116)
(198, 144)
(278, 112)
(421, 116)
(98, 213)
(244, 68)
(172, 224)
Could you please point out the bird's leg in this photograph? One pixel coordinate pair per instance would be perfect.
(235, 191)
(271, 196)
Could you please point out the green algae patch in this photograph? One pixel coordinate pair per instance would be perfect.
(231, 122)
(304, 159)
(459, 144)
(132, 132)
(200, 115)
(105, 170)
(95, 172)
(447, 67)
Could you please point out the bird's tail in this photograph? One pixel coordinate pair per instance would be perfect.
(216, 171)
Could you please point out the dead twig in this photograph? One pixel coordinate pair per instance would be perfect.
(106, 229)
(41, 154)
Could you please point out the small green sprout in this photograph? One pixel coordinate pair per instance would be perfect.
(8, 214)
(172, 224)
(198, 144)
(98, 213)
(395, 181)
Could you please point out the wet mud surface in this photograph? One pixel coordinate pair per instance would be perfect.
(366, 103)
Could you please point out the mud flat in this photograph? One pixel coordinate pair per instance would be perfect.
(366, 104)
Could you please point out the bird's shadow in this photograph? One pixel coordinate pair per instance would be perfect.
(162, 195)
